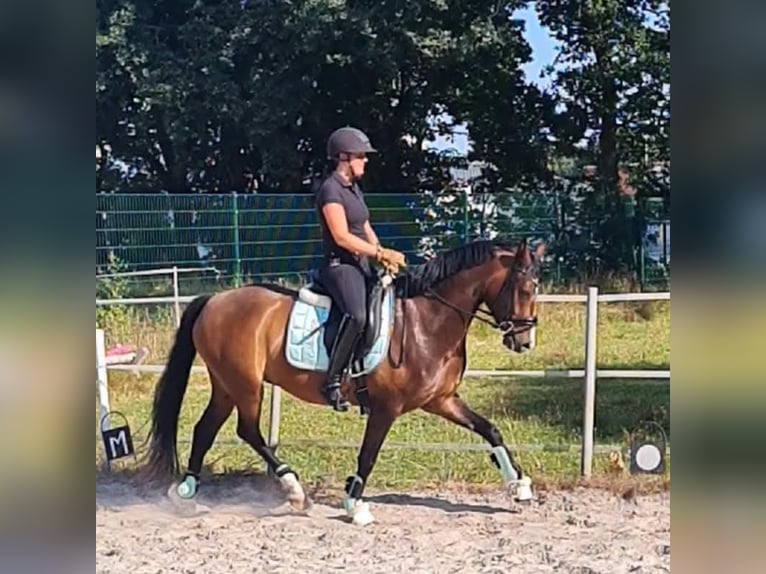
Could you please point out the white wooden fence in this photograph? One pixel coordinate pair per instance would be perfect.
(589, 374)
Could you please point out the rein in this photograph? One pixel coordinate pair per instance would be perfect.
(508, 326)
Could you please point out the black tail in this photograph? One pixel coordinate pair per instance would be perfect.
(162, 458)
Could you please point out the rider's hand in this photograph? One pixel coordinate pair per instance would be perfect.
(391, 268)
(392, 256)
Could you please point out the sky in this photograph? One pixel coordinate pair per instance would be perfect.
(543, 52)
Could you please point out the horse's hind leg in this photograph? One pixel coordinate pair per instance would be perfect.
(455, 410)
(249, 430)
(217, 411)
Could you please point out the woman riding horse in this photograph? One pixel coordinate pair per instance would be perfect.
(349, 241)
(241, 335)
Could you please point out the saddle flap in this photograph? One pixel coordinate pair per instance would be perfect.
(374, 312)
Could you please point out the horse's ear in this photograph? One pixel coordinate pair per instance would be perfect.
(522, 253)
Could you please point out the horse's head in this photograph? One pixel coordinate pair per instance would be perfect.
(511, 294)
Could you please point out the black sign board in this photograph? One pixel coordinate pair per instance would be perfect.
(118, 443)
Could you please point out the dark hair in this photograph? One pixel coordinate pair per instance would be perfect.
(329, 167)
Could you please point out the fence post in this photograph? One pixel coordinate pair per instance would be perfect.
(464, 198)
(175, 296)
(235, 232)
(589, 393)
(275, 404)
(102, 381)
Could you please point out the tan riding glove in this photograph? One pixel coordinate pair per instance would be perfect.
(390, 259)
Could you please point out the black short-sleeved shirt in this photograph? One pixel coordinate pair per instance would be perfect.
(333, 190)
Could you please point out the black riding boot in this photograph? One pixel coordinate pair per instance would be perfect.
(340, 359)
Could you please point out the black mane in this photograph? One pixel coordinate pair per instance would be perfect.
(417, 279)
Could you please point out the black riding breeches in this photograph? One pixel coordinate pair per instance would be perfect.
(348, 288)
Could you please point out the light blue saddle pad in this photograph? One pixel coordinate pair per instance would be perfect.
(305, 347)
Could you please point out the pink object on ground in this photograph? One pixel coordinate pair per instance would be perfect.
(120, 350)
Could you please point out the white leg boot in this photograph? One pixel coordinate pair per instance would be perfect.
(293, 490)
(358, 511)
(521, 486)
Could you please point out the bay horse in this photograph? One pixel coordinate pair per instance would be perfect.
(241, 336)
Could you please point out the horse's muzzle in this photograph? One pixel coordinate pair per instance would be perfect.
(515, 344)
(520, 339)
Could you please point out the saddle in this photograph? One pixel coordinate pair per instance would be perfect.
(314, 323)
(314, 293)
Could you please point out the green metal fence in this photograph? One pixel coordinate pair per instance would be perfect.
(233, 238)
(654, 247)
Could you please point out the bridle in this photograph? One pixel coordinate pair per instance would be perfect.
(513, 326)
(510, 326)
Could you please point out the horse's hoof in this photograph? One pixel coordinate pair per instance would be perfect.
(359, 512)
(522, 489)
(363, 516)
(294, 492)
(187, 488)
(182, 501)
(302, 505)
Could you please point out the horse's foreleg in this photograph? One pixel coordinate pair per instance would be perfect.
(455, 410)
(378, 425)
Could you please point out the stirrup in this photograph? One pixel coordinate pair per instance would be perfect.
(333, 396)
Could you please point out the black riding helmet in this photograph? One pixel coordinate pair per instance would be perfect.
(348, 140)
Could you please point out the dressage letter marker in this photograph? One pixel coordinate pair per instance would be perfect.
(118, 442)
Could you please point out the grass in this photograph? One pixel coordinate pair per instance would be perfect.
(532, 412)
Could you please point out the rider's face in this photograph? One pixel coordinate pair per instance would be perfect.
(357, 162)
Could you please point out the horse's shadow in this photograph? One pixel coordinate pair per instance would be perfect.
(437, 504)
(246, 491)
(259, 494)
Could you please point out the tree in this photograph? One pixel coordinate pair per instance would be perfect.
(613, 71)
(208, 95)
